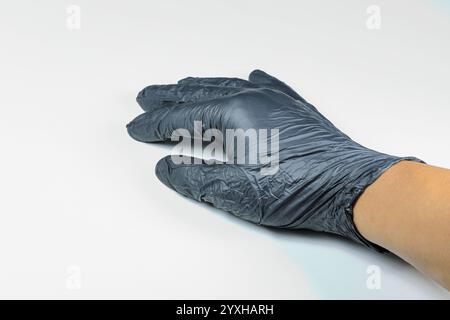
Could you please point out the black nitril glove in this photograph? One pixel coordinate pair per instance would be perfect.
(321, 171)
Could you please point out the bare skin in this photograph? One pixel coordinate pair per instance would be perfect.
(407, 211)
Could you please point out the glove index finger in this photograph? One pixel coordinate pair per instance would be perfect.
(160, 124)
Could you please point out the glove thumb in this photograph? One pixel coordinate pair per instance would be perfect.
(225, 186)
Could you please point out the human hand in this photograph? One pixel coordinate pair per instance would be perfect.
(309, 181)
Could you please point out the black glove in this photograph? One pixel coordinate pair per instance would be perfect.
(318, 174)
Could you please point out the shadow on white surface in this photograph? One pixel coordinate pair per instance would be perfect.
(337, 268)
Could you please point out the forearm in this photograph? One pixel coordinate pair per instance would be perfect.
(407, 211)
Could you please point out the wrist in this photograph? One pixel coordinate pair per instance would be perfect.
(379, 209)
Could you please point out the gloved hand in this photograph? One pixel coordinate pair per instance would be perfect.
(320, 173)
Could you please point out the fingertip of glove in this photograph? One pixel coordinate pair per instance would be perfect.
(143, 129)
(141, 94)
(134, 132)
(256, 75)
(185, 80)
(143, 100)
(163, 169)
(150, 98)
(130, 131)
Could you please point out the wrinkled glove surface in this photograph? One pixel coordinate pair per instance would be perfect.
(321, 170)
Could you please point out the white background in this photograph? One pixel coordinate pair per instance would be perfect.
(82, 214)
